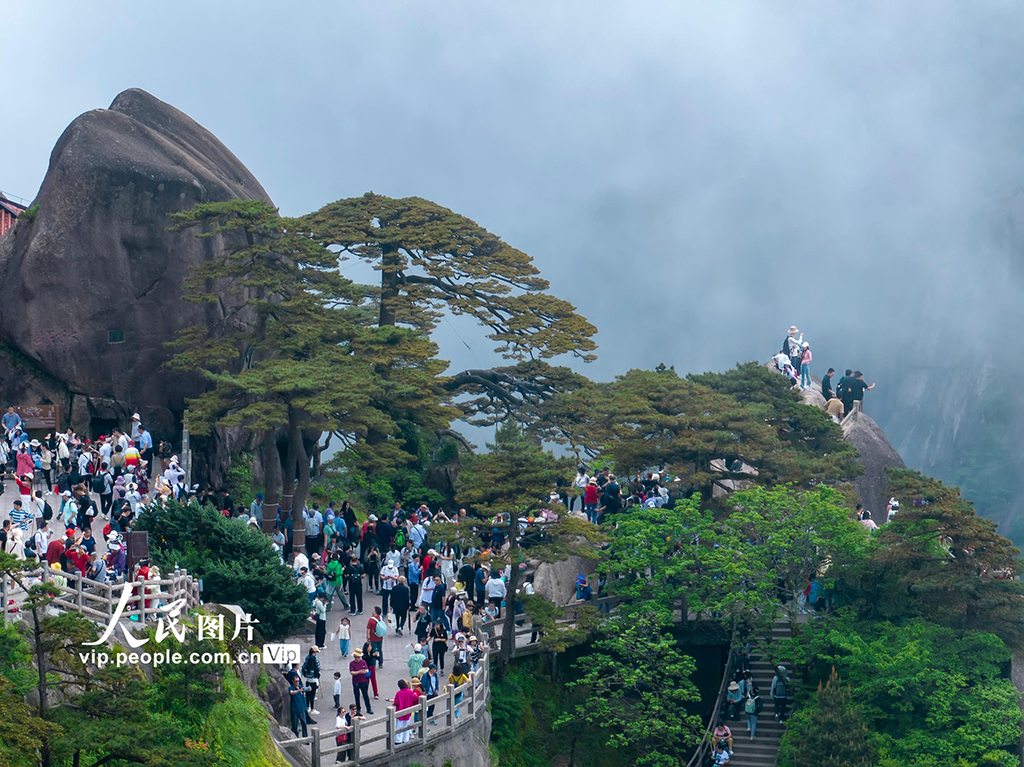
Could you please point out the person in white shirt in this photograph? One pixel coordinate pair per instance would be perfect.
(42, 538)
(495, 590)
(136, 426)
(301, 562)
(388, 578)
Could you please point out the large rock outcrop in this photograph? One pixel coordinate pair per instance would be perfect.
(90, 285)
(876, 455)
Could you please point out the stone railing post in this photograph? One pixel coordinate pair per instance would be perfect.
(392, 724)
(142, 601)
(451, 707)
(356, 727)
(78, 592)
(423, 718)
(314, 747)
(3, 596)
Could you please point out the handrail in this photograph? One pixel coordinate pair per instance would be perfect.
(473, 697)
(705, 741)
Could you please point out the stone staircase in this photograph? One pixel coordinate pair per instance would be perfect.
(762, 751)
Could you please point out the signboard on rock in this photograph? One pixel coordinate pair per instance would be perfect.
(39, 416)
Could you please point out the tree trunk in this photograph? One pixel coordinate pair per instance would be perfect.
(272, 473)
(389, 287)
(293, 470)
(508, 632)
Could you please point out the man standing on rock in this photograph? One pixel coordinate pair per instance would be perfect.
(826, 384)
(856, 388)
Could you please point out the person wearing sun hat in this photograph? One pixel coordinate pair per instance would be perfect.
(590, 498)
(360, 674)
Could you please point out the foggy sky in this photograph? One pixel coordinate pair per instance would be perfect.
(695, 177)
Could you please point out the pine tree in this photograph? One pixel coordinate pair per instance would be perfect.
(433, 261)
(831, 733)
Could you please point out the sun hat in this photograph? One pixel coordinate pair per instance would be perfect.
(314, 648)
(733, 686)
(136, 417)
(35, 443)
(581, 579)
(357, 653)
(793, 330)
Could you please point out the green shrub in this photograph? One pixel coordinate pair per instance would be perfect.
(237, 563)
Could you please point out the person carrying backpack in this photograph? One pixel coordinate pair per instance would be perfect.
(311, 674)
(752, 707)
(376, 630)
(780, 692)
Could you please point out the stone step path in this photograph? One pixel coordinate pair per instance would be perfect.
(763, 750)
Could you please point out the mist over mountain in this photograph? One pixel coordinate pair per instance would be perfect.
(694, 177)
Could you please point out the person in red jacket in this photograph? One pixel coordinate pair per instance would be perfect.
(590, 500)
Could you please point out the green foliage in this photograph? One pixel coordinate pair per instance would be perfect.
(237, 563)
(16, 660)
(930, 695)
(30, 212)
(939, 560)
(649, 418)
(737, 567)
(514, 477)
(240, 480)
(525, 702)
(22, 733)
(830, 732)
(238, 731)
(637, 686)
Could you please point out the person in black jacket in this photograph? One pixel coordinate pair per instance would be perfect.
(400, 603)
(826, 384)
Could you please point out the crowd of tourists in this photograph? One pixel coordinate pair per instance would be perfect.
(794, 362)
(73, 491)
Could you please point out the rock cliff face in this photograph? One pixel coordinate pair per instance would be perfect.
(90, 286)
(876, 455)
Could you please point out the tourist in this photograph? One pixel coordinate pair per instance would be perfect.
(422, 627)
(590, 500)
(341, 739)
(835, 408)
(496, 591)
(376, 630)
(20, 517)
(405, 698)
(857, 387)
(805, 367)
(297, 693)
(723, 733)
(752, 707)
(721, 755)
(416, 660)
(733, 699)
(388, 578)
(372, 657)
(480, 582)
(344, 636)
(867, 521)
(438, 637)
(780, 692)
(826, 384)
(320, 614)
(400, 604)
(431, 687)
(354, 575)
(371, 565)
(456, 679)
(841, 386)
(360, 680)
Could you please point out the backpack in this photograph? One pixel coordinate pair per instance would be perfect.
(308, 668)
(751, 705)
(400, 537)
(47, 511)
(381, 629)
(98, 484)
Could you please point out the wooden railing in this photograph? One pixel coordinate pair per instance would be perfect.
(149, 599)
(371, 740)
